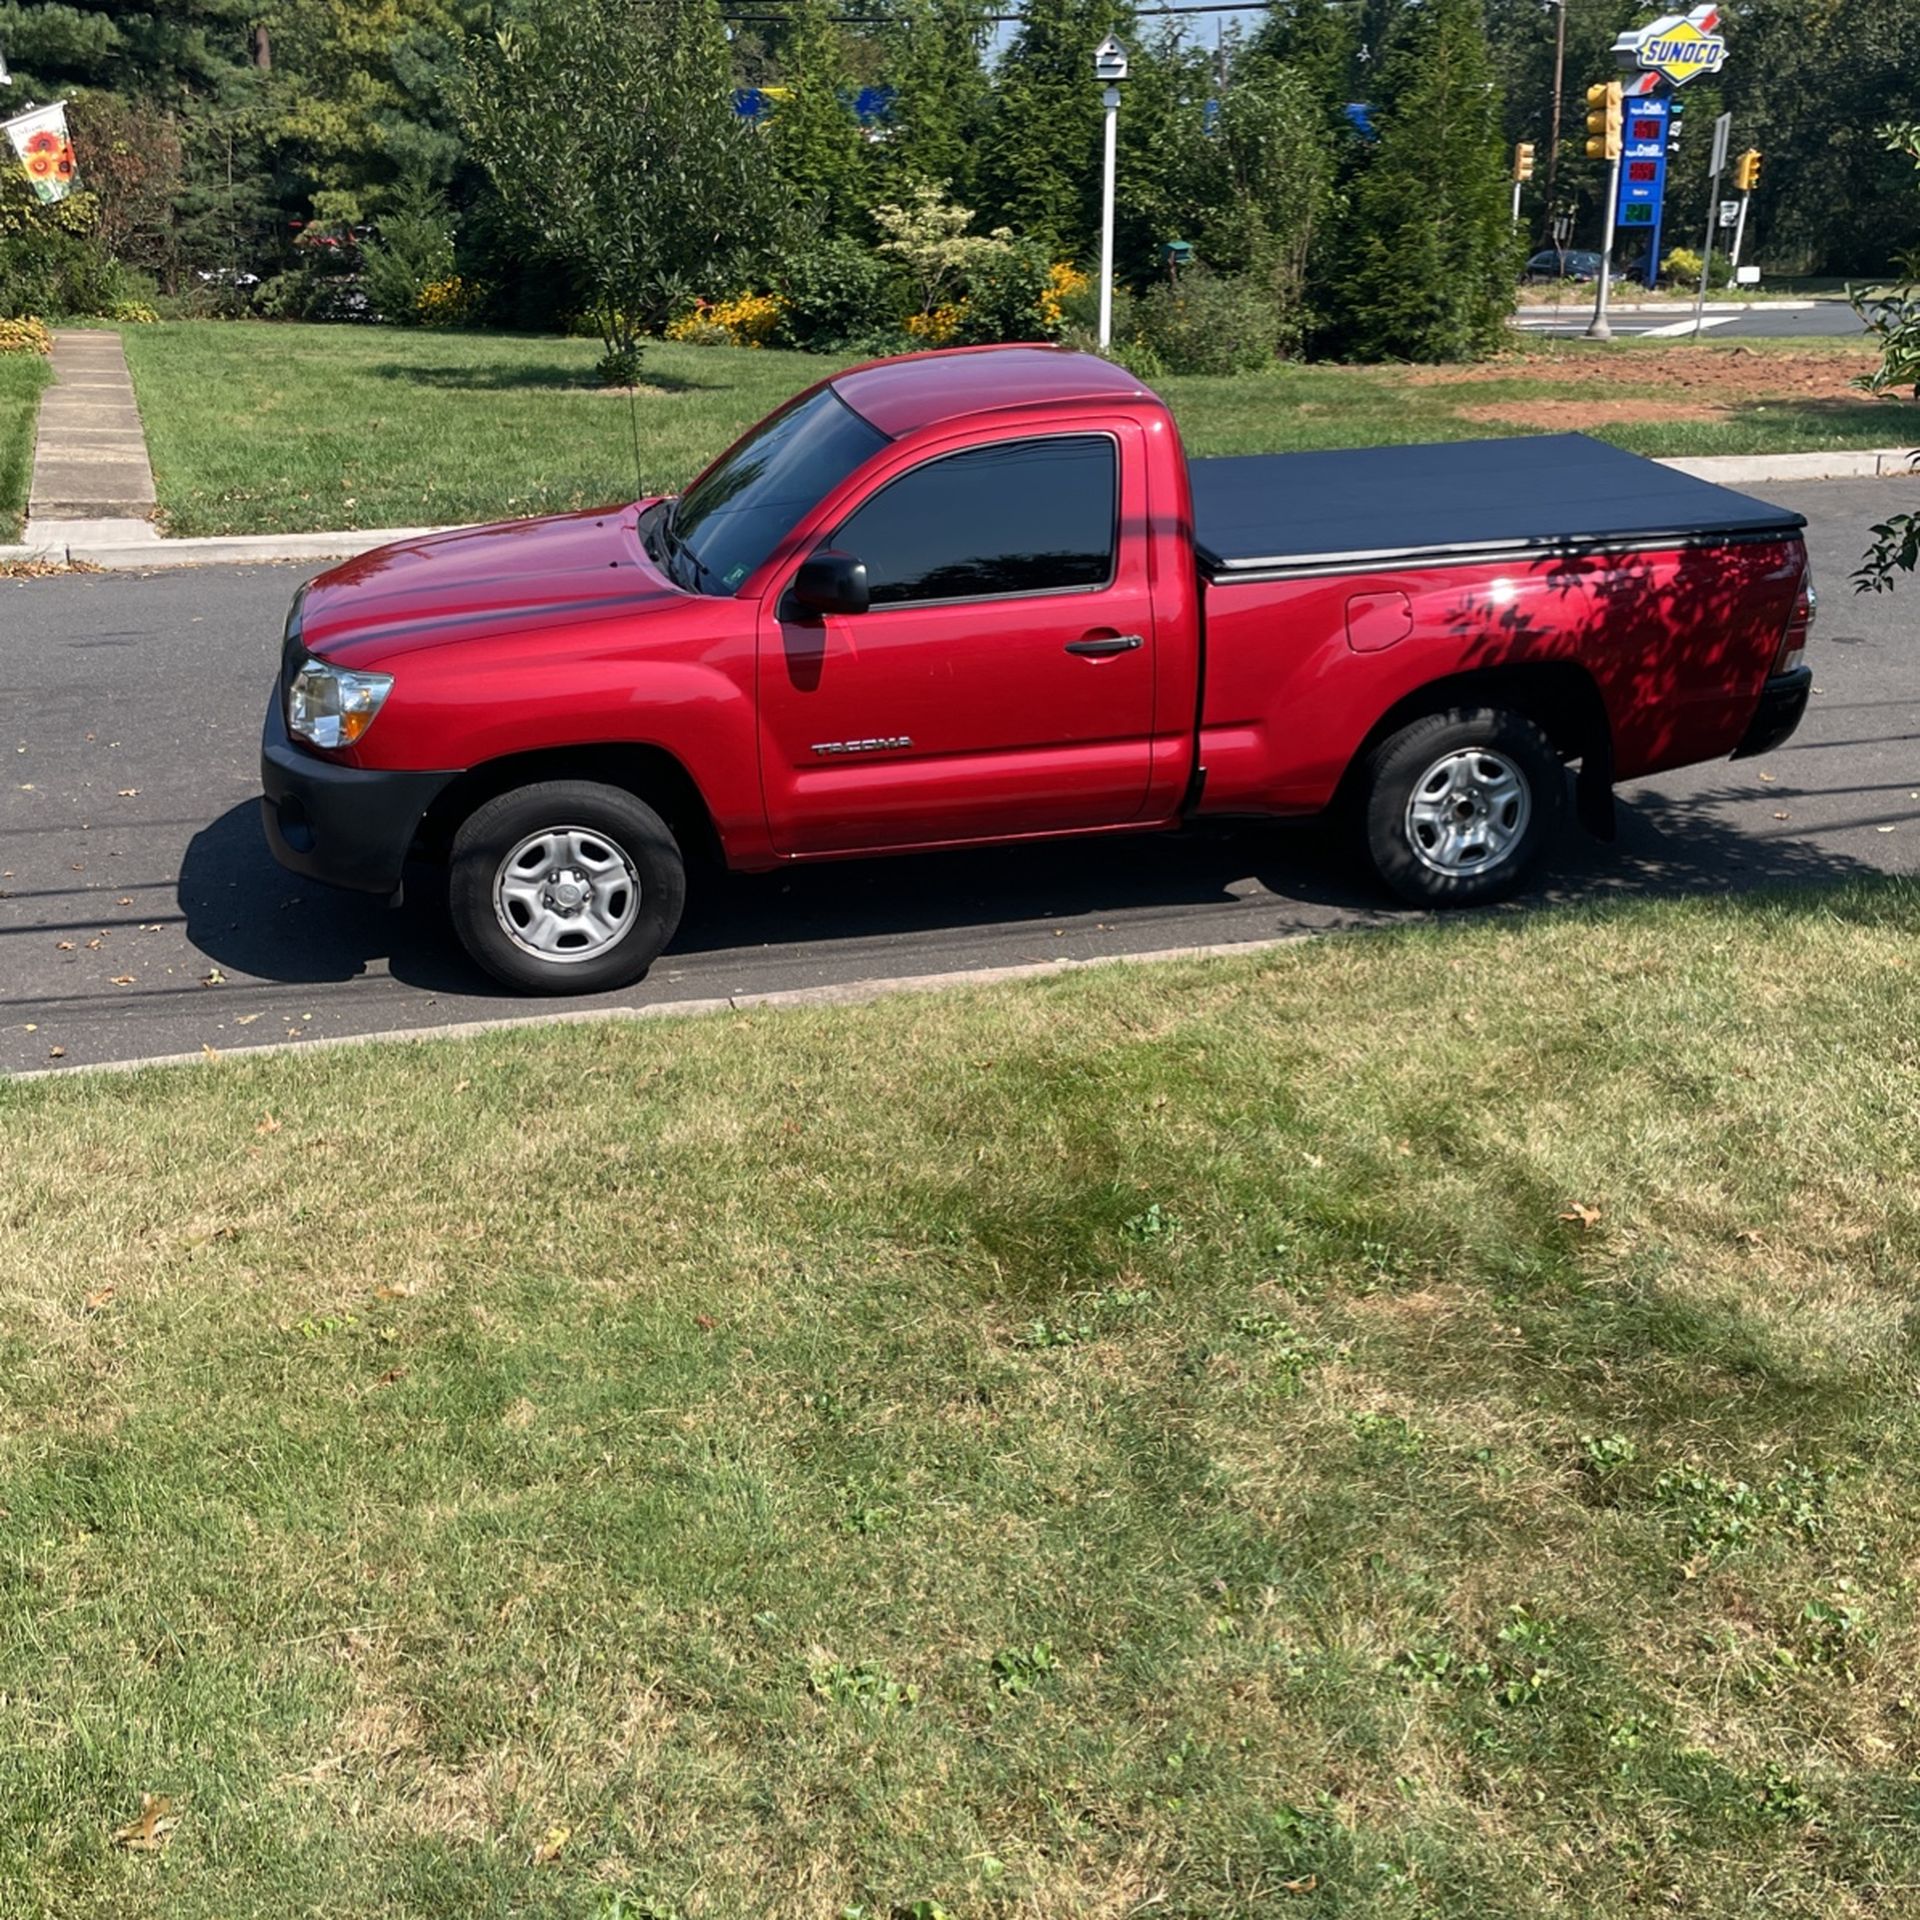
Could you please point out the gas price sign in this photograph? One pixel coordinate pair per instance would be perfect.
(1643, 179)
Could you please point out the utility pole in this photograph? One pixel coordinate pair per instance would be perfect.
(1722, 136)
(1559, 74)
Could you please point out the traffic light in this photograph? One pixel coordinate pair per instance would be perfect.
(1603, 121)
(1523, 160)
(1746, 170)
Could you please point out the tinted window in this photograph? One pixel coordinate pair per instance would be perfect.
(739, 511)
(1021, 517)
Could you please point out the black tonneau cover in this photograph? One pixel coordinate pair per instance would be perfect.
(1376, 506)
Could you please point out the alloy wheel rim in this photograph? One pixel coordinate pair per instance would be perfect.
(1468, 812)
(566, 894)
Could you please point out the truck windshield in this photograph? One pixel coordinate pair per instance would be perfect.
(734, 516)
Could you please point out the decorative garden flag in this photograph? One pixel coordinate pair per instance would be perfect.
(40, 139)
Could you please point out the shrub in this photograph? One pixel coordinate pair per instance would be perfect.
(939, 328)
(746, 320)
(51, 259)
(1066, 285)
(25, 335)
(1682, 267)
(452, 302)
(1004, 288)
(1206, 323)
(833, 291)
(317, 289)
(132, 313)
(413, 251)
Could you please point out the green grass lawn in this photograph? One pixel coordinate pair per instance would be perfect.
(1410, 1427)
(256, 428)
(22, 375)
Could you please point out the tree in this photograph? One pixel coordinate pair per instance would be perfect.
(931, 56)
(134, 166)
(1039, 167)
(1428, 273)
(1893, 316)
(1270, 186)
(815, 142)
(929, 237)
(608, 132)
(368, 99)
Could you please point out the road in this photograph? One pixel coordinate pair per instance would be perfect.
(141, 915)
(1790, 320)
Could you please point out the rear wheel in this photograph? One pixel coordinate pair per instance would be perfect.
(567, 886)
(1459, 807)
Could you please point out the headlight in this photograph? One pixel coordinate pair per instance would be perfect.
(329, 707)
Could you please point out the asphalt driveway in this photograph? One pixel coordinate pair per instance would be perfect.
(141, 915)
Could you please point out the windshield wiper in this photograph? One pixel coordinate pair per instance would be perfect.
(677, 548)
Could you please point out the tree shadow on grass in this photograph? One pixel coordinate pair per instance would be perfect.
(533, 377)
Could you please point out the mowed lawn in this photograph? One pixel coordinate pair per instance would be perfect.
(22, 375)
(257, 428)
(1410, 1425)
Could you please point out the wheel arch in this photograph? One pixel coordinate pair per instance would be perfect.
(649, 773)
(1559, 696)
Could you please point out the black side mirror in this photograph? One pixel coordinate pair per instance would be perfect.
(830, 582)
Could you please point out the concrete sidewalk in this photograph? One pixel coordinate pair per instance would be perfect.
(90, 459)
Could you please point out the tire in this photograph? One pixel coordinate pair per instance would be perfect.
(567, 886)
(1458, 808)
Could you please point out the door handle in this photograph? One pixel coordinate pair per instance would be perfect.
(1099, 646)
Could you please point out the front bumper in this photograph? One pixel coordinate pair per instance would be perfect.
(348, 826)
(1783, 703)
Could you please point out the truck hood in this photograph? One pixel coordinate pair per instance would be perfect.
(516, 576)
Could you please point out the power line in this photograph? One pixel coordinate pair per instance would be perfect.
(986, 19)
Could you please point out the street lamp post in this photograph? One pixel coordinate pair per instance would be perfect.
(1109, 68)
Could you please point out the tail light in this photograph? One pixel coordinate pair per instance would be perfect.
(1793, 642)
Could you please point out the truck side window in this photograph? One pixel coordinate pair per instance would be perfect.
(1017, 517)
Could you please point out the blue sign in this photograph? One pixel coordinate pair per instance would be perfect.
(1643, 181)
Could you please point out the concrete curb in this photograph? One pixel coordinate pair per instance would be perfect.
(852, 993)
(59, 545)
(1735, 470)
(67, 545)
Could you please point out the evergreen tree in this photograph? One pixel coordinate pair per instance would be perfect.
(1039, 169)
(931, 54)
(816, 145)
(1427, 271)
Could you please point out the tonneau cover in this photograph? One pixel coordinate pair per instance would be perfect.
(1372, 506)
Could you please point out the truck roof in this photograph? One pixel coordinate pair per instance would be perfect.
(923, 389)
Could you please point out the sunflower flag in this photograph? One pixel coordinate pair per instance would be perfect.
(40, 139)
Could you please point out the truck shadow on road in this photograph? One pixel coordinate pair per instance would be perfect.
(941, 912)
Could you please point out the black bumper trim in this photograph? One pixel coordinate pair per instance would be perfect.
(348, 826)
(1783, 704)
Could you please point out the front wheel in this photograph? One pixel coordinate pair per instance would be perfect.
(566, 887)
(1459, 807)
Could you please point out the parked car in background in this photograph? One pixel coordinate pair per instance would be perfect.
(981, 596)
(1563, 263)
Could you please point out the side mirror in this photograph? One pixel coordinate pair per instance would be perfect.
(830, 582)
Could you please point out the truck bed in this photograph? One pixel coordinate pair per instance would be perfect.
(1264, 515)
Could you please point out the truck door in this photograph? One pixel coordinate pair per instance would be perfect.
(1000, 683)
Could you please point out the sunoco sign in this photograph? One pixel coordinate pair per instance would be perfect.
(1681, 47)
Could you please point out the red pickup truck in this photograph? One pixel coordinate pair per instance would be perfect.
(982, 596)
